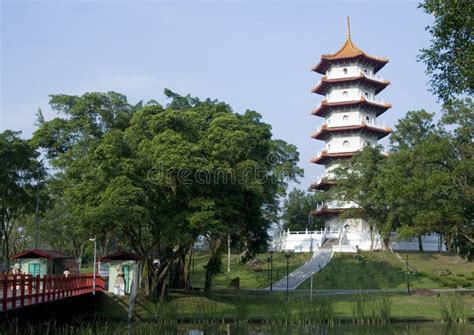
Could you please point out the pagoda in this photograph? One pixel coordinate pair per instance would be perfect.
(350, 108)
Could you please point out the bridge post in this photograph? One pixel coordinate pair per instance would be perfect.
(30, 289)
(14, 291)
(55, 287)
(62, 287)
(5, 292)
(22, 290)
(37, 288)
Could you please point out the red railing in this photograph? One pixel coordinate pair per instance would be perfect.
(23, 290)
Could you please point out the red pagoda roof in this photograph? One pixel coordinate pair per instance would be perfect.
(325, 106)
(39, 253)
(121, 255)
(324, 211)
(349, 51)
(327, 211)
(325, 157)
(323, 184)
(325, 83)
(325, 131)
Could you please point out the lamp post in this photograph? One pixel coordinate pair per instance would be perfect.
(271, 270)
(287, 256)
(408, 280)
(95, 261)
(37, 218)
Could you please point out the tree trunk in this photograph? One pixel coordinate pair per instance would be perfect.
(420, 244)
(177, 272)
(214, 264)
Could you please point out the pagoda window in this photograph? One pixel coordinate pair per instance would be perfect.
(366, 72)
(345, 94)
(345, 117)
(367, 143)
(345, 144)
(344, 70)
(366, 94)
(367, 118)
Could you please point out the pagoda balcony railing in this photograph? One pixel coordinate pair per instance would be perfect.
(354, 73)
(358, 97)
(328, 176)
(333, 151)
(348, 123)
(335, 204)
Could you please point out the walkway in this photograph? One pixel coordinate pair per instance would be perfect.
(320, 258)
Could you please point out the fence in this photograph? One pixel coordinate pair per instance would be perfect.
(23, 290)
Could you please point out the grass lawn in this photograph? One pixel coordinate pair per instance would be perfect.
(383, 270)
(369, 270)
(265, 306)
(446, 269)
(249, 278)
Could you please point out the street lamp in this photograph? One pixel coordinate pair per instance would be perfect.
(37, 218)
(271, 270)
(95, 262)
(287, 256)
(408, 280)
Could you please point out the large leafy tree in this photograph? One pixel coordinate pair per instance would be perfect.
(20, 171)
(450, 58)
(159, 177)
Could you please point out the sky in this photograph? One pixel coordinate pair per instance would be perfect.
(250, 54)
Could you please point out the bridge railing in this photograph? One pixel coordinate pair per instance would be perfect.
(18, 290)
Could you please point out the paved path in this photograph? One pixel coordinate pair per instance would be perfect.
(320, 258)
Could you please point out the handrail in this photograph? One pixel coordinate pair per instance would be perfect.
(18, 290)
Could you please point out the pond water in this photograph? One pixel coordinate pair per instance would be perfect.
(116, 328)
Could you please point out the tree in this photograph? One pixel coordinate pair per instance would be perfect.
(163, 176)
(412, 129)
(358, 181)
(296, 211)
(19, 171)
(449, 59)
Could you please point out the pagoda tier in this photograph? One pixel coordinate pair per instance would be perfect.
(325, 107)
(325, 131)
(367, 81)
(327, 211)
(330, 211)
(324, 157)
(323, 184)
(349, 52)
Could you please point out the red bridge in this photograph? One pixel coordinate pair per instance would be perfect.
(20, 290)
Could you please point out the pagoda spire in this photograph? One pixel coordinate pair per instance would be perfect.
(348, 29)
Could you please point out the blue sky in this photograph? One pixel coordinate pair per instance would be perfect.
(252, 55)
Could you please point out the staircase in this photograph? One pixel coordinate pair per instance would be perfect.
(320, 258)
(328, 243)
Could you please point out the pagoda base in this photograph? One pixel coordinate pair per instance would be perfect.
(355, 232)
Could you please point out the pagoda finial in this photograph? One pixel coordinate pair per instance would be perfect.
(348, 29)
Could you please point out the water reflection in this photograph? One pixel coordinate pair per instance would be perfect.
(343, 329)
(145, 328)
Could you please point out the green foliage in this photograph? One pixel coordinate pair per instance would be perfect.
(368, 308)
(296, 211)
(425, 185)
(20, 174)
(154, 178)
(449, 59)
(453, 309)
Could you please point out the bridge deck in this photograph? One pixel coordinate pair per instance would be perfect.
(17, 291)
